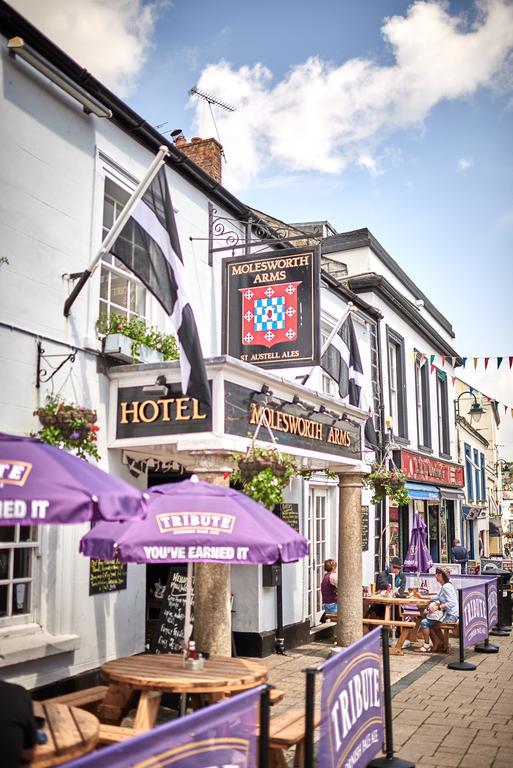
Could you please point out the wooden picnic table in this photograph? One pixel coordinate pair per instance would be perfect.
(156, 674)
(389, 602)
(71, 732)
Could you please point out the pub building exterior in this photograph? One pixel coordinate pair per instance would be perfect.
(69, 174)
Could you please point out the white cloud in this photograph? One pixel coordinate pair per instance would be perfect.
(322, 117)
(110, 38)
(464, 163)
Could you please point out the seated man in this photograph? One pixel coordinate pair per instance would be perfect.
(394, 576)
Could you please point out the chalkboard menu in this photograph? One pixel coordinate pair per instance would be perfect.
(290, 514)
(106, 576)
(169, 632)
(365, 529)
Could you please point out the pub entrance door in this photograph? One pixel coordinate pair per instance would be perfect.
(318, 536)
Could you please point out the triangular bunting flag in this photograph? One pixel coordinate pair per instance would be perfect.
(422, 359)
(512, 412)
(487, 360)
(505, 409)
(464, 361)
(496, 404)
(499, 361)
(433, 368)
(453, 380)
(443, 375)
(431, 359)
(415, 355)
(510, 361)
(443, 360)
(475, 362)
(471, 390)
(453, 361)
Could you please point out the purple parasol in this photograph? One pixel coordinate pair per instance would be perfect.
(42, 484)
(193, 521)
(418, 558)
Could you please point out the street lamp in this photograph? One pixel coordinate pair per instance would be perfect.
(476, 409)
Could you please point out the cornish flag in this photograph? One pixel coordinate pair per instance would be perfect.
(149, 247)
(342, 362)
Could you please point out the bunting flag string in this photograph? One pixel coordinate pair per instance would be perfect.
(437, 363)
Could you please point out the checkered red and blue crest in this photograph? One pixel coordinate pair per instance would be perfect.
(269, 314)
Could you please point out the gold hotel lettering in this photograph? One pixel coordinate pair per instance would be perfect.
(150, 411)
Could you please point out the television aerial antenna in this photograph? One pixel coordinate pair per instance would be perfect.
(212, 102)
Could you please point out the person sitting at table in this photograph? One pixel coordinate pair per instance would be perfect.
(329, 588)
(442, 609)
(17, 726)
(394, 576)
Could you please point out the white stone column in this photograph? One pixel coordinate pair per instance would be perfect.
(349, 609)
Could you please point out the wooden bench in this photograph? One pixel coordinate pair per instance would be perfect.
(285, 731)
(113, 734)
(389, 623)
(86, 698)
(449, 629)
(275, 696)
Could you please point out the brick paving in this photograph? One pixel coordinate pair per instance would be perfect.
(442, 718)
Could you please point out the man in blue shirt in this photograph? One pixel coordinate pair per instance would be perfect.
(459, 555)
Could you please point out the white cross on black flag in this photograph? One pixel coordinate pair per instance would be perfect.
(343, 363)
(149, 246)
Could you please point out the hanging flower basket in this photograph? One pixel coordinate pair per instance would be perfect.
(69, 426)
(387, 483)
(264, 473)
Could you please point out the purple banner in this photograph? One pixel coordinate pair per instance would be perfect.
(474, 618)
(493, 608)
(351, 732)
(224, 734)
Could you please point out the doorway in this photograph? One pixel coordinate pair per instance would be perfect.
(317, 534)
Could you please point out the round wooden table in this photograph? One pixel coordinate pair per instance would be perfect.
(71, 732)
(155, 674)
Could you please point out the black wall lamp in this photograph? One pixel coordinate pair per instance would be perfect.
(476, 409)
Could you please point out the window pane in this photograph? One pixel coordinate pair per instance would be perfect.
(7, 533)
(20, 598)
(119, 290)
(104, 283)
(28, 533)
(108, 212)
(3, 600)
(22, 562)
(4, 563)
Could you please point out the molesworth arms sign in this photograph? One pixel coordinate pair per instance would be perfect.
(271, 308)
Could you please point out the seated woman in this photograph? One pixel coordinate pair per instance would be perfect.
(445, 601)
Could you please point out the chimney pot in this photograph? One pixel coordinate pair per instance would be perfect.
(196, 139)
(181, 140)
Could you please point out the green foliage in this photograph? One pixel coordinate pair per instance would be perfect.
(140, 333)
(387, 483)
(264, 473)
(68, 426)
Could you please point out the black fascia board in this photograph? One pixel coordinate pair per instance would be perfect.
(13, 24)
(378, 284)
(358, 238)
(345, 293)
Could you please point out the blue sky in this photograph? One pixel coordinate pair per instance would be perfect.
(403, 126)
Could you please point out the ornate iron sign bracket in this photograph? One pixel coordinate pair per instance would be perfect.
(43, 375)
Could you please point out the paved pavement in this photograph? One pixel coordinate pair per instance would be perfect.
(442, 718)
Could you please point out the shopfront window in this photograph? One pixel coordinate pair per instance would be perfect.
(18, 547)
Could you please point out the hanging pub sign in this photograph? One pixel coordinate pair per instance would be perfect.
(141, 412)
(271, 308)
(291, 424)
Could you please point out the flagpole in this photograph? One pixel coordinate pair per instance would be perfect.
(118, 225)
(350, 308)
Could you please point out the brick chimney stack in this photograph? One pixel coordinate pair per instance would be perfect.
(207, 153)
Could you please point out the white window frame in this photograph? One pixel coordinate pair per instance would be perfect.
(392, 384)
(420, 405)
(113, 268)
(10, 618)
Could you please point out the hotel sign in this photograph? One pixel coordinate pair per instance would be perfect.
(290, 425)
(271, 308)
(141, 413)
(424, 469)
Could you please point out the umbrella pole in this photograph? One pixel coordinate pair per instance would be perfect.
(187, 630)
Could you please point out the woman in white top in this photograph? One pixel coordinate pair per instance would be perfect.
(445, 601)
